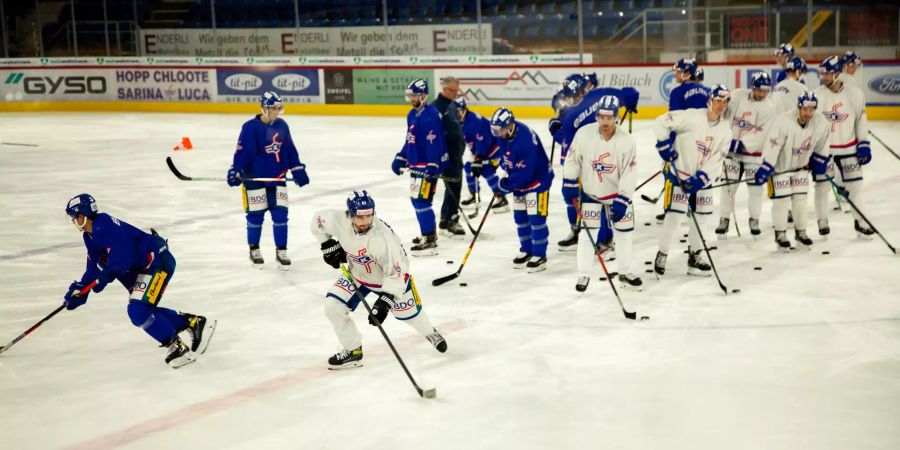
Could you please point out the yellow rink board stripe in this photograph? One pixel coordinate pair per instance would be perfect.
(525, 112)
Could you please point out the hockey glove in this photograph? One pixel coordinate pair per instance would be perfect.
(333, 253)
(73, 297)
(503, 185)
(380, 309)
(103, 278)
(432, 171)
(737, 147)
(693, 184)
(619, 208)
(570, 190)
(863, 152)
(555, 125)
(398, 164)
(477, 167)
(666, 148)
(234, 177)
(763, 173)
(300, 176)
(819, 163)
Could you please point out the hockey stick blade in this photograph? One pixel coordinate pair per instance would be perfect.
(648, 199)
(175, 170)
(444, 279)
(428, 393)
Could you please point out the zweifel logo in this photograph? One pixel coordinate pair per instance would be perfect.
(886, 84)
(61, 85)
(666, 84)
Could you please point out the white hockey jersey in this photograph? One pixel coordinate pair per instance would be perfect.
(606, 168)
(750, 122)
(700, 144)
(784, 96)
(376, 259)
(845, 112)
(789, 146)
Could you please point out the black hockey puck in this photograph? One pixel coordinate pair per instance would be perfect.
(757, 268)
(463, 284)
(735, 291)
(826, 252)
(682, 241)
(646, 224)
(602, 278)
(684, 235)
(645, 317)
(649, 271)
(713, 248)
(647, 263)
(449, 261)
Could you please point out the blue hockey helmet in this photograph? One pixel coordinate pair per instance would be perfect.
(761, 80)
(850, 57)
(608, 106)
(461, 103)
(699, 75)
(590, 77)
(796, 64)
(784, 49)
(686, 65)
(807, 98)
(361, 204)
(719, 92)
(417, 87)
(579, 80)
(269, 100)
(82, 204)
(831, 64)
(501, 120)
(569, 89)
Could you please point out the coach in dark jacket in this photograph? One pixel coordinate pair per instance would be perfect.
(456, 145)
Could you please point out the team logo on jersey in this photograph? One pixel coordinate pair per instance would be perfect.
(479, 137)
(410, 136)
(744, 124)
(274, 147)
(362, 259)
(835, 116)
(705, 147)
(803, 148)
(602, 167)
(431, 137)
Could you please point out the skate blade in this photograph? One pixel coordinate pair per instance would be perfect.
(864, 237)
(699, 273)
(500, 210)
(570, 248)
(256, 266)
(429, 252)
(537, 269)
(350, 365)
(784, 249)
(208, 332)
(630, 287)
(722, 236)
(183, 361)
(284, 267)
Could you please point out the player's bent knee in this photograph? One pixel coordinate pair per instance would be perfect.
(141, 314)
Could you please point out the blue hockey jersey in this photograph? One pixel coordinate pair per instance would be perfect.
(585, 112)
(688, 95)
(525, 161)
(426, 144)
(265, 151)
(479, 139)
(118, 248)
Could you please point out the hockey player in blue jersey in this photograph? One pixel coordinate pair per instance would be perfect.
(484, 155)
(424, 153)
(559, 103)
(143, 263)
(783, 53)
(265, 150)
(690, 92)
(582, 111)
(529, 178)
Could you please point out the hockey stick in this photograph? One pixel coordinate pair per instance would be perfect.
(884, 145)
(423, 174)
(628, 314)
(35, 145)
(444, 279)
(46, 318)
(424, 393)
(648, 180)
(729, 183)
(461, 212)
(184, 177)
(477, 204)
(656, 199)
(844, 193)
(552, 150)
(703, 241)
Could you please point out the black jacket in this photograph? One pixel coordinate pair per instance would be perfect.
(456, 142)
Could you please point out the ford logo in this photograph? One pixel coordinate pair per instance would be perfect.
(886, 84)
(243, 82)
(291, 82)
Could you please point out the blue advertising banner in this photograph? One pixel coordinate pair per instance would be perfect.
(247, 84)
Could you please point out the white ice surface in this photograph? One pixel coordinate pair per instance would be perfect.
(807, 356)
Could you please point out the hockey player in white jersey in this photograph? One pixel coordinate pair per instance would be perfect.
(751, 114)
(603, 157)
(695, 142)
(850, 65)
(785, 93)
(790, 144)
(379, 266)
(783, 53)
(844, 107)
